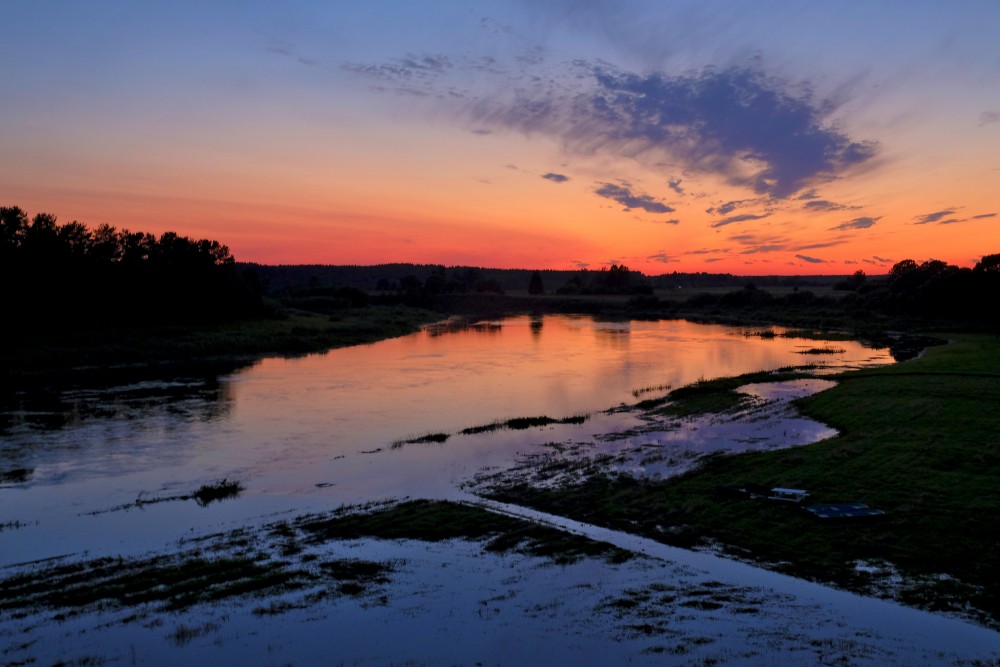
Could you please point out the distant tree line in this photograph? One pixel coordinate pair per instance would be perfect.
(934, 289)
(70, 274)
(617, 279)
(929, 291)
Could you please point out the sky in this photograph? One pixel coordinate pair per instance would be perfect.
(755, 138)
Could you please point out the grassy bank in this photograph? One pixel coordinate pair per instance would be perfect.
(919, 440)
(91, 349)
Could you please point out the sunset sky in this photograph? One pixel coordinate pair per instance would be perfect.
(745, 137)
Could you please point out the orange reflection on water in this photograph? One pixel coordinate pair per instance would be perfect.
(365, 397)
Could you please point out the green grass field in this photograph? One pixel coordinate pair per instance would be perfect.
(920, 440)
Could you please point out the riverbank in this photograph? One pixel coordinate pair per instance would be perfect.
(426, 583)
(917, 440)
(116, 351)
(273, 579)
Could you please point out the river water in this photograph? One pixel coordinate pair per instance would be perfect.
(309, 433)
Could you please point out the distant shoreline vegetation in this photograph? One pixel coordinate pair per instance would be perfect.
(70, 277)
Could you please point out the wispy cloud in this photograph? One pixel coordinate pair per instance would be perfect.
(739, 218)
(811, 260)
(623, 195)
(948, 217)
(728, 207)
(411, 75)
(555, 178)
(987, 117)
(826, 244)
(756, 244)
(663, 258)
(739, 123)
(936, 216)
(288, 50)
(824, 205)
(857, 223)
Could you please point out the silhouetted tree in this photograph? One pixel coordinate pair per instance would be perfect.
(535, 285)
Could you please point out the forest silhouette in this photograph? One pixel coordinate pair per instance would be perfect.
(70, 274)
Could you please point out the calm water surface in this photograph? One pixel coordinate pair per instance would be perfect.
(310, 433)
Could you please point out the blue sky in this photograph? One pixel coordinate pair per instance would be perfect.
(773, 137)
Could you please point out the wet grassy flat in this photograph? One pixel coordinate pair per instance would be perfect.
(438, 520)
(918, 440)
(277, 560)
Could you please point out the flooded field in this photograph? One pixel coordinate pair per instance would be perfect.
(116, 472)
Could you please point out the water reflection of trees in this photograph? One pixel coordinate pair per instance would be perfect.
(186, 395)
(459, 325)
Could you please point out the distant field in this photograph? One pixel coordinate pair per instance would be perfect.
(683, 293)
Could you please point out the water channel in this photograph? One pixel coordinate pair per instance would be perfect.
(310, 433)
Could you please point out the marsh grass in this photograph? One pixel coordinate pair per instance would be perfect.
(260, 564)
(718, 395)
(423, 439)
(16, 475)
(218, 490)
(434, 521)
(652, 389)
(522, 423)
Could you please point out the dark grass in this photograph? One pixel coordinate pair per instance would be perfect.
(715, 396)
(177, 583)
(245, 567)
(423, 439)
(16, 475)
(919, 440)
(522, 423)
(435, 521)
(101, 351)
(218, 490)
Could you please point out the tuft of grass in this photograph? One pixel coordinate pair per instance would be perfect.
(218, 490)
(16, 475)
(423, 439)
(522, 423)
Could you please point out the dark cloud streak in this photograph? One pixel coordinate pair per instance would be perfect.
(738, 218)
(857, 223)
(721, 121)
(623, 195)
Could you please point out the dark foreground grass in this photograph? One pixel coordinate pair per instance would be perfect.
(95, 350)
(920, 440)
(717, 395)
(282, 558)
(434, 521)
